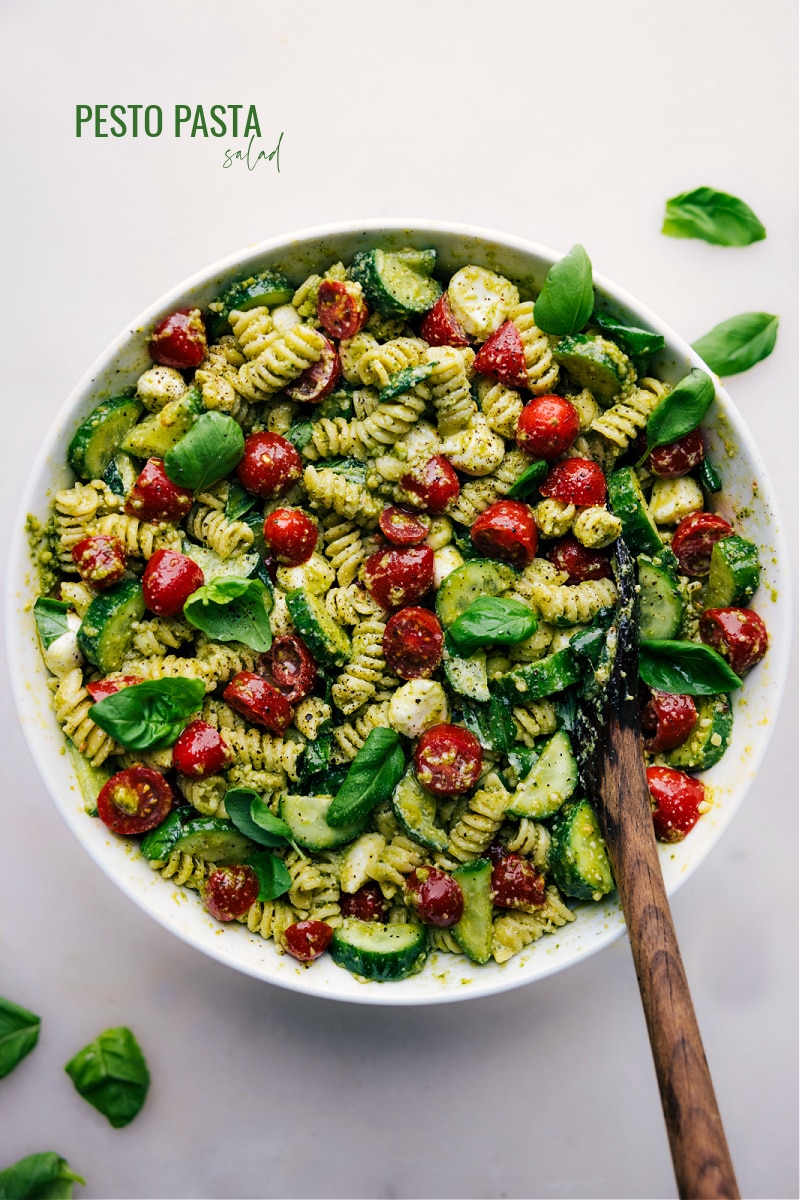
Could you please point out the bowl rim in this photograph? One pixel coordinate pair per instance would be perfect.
(236, 262)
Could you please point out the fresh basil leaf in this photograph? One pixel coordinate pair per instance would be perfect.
(239, 502)
(528, 482)
(51, 620)
(158, 844)
(19, 1033)
(739, 343)
(44, 1176)
(273, 878)
(299, 434)
(316, 755)
(464, 544)
(352, 468)
(713, 216)
(111, 1074)
(404, 380)
(150, 715)
(491, 721)
(252, 817)
(206, 453)
(521, 759)
(338, 404)
(373, 775)
(709, 476)
(230, 609)
(687, 668)
(566, 706)
(566, 301)
(490, 620)
(640, 344)
(327, 782)
(681, 410)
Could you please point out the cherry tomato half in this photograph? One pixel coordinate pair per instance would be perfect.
(290, 535)
(506, 530)
(579, 562)
(134, 801)
(179, 340)
(413, 642)
(676, 800)
(318, 380)
(367, 903)
(433, 487)
(169, 580)
(435, 897)
(576, 481)
(102, 688)
(738, 634)
(547, 427)
(517, 884)
(440, 327)
(667, 720)
(290, 666)
(306, 940)
(100, 560)
(678, 458)
(448, 760)
(401, 527)
(694, 538)
(229, 892)
(258, 701)
(398, 577)
(341, 308)
(269, 466)
(154, 497)
(502, 357)
(200, 751)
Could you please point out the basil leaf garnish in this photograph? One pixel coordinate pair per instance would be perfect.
(150, 715)
(253, 818)
(739, 343)
(491, 721)
(640, 344)
(19, 1033)
(490, 620)
(374, 773)
(158, 844)
(273, 878)
(464, 544)
(521, 759)
(404, 380)
(681, 410)
(352, 468)
(566, 301)
(713, 216)
(528, 482)
(685, 668)
(338, 404)
(239, 502)
(112, 1075)
(206, 453)
(230, 609)
(44, 1176)
(299, 434)
(51, 620)
(316, 755)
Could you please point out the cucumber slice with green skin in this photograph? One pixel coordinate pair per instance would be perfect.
(379, 952)
(709, 476)
(214, 840)
(415, 809)
(734, 575)
(106, 631)
(90, 779)
(398, 283)
(306, 816)
(480, 577)
(157, 434)
(467, 676)
(595, 363)
(528, 482)
(661, 602)
(99, 436)
(159, 843)
(324, 637)
(240, 565)
(474, 931)
(552, 780)
(121, 473)
(535, 680)
(578, 859)
(267, 289)
(709, 739)
(627, 502)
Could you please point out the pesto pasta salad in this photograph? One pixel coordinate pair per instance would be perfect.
(331, 580)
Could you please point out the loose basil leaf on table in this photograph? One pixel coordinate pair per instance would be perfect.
(239, 502)
(51, 620)
(19, 1033)
(158, 844)
(739, 343)
(111, 1074)
(491, 721)
(231, 609)
(528, 482)
(373, 775)
(252, 817)
(149, 715)
(43, 1176)
(566, 301)
(641, 344)
(681, 410)
(685, 668)
(713, 216)
(206, 453)
(273, 878)
(490, 620)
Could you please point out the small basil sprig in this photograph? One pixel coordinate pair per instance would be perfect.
(43, 1176)
(681, 410)
(19, 1033)
(352, 468)
(404, 380)
(685, 668)
(299, 434)
(528, 482)
(491, 620)
(374, 773)
(239, 502)
(273, 877)
(739, 343)
(713, 216)
(566, 301)
(51, 620)
(491, 721)
(640, 344)
(316, 755)
(231, 609)
(111, 1074)
(338, 404)
(150, 715)
(206, 453)
(252, 817)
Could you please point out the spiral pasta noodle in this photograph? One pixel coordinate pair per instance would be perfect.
(501, 405)
(214, 663)
(350, 737)
(72, 703)
(251, 330)
(345, 547)
(513, 931)
(385, 425)
(329, 489)
(542, 585)
(398, 859)
(250, 746)
(285, 357)
(156, 635)
(531, 839)
(540, 366)
(477, 825)
(450, 390)
(595, 527)
(206, 795)
(358, 680)
(477, 494)
(208, 524)
(623, 421)
(349, 605)
(140, 538)
(367, 361)
(533, 720)
(75, 513)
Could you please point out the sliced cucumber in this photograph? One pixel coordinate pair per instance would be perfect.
(96, 439)
(213, 567)
(397, 283)
(734, 574)
(121, 473)
(214, 839)
(710, 737)
(415, 809)
(537, 679)
(379, 952)
(578, 858)
(467, 676)
(627, 502)
(552, 780)
(474, 931)
(157, 434)
(324, 637)
(480, 577)
(106, 631)
(267, 289)
(661, 602)
(90, 779)
(595, 363)
(709, 476)
(159, 843)
(306, 817)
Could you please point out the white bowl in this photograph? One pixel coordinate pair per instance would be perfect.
(747, 499)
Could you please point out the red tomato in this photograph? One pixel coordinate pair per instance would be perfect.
(678, 458)
(413, 643)
(179, 340)
(341, 308)
(502, 357)
(667, 720)
(367, 903)
(100, 560)
(306, 940)
(694, 539)
(676, 802)
(134, 801)
(401, 527)
(575, 481)
(169, 580)
(269, 465)
(440, 326)
(506, 530)
(435, 486)
(291, 535)
(103, 688)
(154, 497)
(738, 634)
(230, 891)
(517, 884)
(290, 666)
(398, 577)
(579, 562)
(547, 427)
(448, 760)
(435, 897)
(318, 380)
(258, 701)
(200, 751)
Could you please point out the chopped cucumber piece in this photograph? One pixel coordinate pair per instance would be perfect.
(121, 473)
(324, 637)
(240, 565)
(467, 676)
(106, 631)
(474, 931)
(397, 283)
(216, 840)
(99, 436)
(90, 779)
(379, 952)
(537, 679)
(709, 476)
(267, 289)
(661, 602)
(415, 809)
(596, 364)
(552, 780)
(480, 577)
(734, 574)
(306, 816)
(627, 502)
(157, 434)
(578, 858)
(710, 737)
(159, 843)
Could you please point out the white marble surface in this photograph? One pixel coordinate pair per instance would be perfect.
(562, 123)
